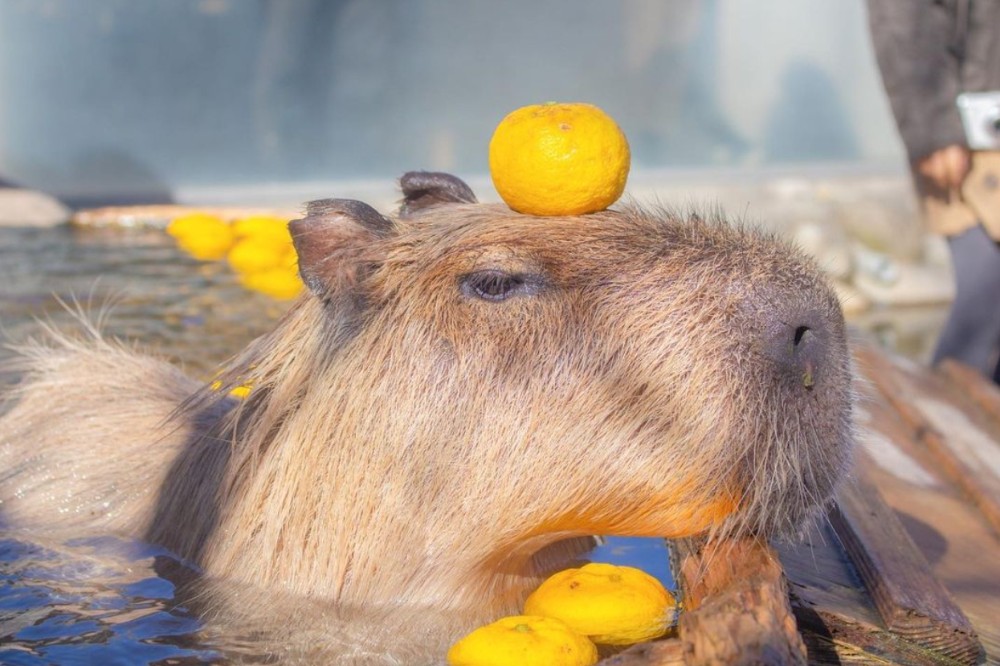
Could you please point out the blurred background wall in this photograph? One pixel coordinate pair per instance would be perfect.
(123, 100)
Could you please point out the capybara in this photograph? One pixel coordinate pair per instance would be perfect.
(461, 388)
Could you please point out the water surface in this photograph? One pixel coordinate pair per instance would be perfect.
(91, 601)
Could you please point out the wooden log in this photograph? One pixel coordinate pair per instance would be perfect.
(911, 601)
(967, 381)
(955, 454)
(838, 639)
(669, 652)
(961, 547)
(834, 611)
(736, 604)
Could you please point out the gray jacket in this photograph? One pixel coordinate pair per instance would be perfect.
(929, 51)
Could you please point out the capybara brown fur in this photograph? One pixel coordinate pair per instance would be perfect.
(461, 387)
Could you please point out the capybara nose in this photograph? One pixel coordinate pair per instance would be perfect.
(800, 348)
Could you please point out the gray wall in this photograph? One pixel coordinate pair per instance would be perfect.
(149, 99)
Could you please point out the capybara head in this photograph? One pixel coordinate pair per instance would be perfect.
(465, 385)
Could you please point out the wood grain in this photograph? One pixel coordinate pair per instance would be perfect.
(668, 652)
(959, 543)
(835, 613)
(968, 382)
(736, 604)
(955, 452)
(911, 601)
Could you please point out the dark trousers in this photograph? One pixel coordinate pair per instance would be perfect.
(972, 332)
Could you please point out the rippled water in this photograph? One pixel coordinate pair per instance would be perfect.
(91, 601)
(72, 600)
(194, 313)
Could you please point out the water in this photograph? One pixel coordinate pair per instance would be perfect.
(71, 600)
(110, 600)
(194, 313)
(650, 555)
(91, 601)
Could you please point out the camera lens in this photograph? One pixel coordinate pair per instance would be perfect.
(993, 120)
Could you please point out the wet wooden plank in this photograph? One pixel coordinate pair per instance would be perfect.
(736, 604)
(961, 546)
(962, 445)
(911, 601)
(976, 388)
(835, 613)
(668, 652)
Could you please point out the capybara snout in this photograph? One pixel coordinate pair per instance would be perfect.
(461, 387)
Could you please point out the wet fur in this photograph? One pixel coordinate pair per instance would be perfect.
(406, 446)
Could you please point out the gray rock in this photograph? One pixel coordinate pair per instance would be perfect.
(29, 208)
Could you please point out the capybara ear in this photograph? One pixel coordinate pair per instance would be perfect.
(331, 242)
(423, 189)
(358, 211)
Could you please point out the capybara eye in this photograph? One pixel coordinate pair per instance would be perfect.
(496, 285)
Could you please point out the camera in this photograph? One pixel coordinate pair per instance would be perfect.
(981, 119)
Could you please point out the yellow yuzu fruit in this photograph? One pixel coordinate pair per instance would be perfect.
(263, 227)
(203, 236)
(612, 605)
(241, 391)
(523, 640)
(280, 283)
(185, 225)
(559, 159)
(255, 254)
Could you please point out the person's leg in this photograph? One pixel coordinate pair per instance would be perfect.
(972, 332)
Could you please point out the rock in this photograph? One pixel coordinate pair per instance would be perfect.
(29, 208)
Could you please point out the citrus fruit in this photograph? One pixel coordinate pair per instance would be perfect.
(203, 236)
(263, 227)
(559, 159)
(240, 391)
(279, 283)
(256, 254)
(523, 640)
(613, 605)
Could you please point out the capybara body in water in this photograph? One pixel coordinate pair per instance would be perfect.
(462, 387)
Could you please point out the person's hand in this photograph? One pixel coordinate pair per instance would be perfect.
(946, 167)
